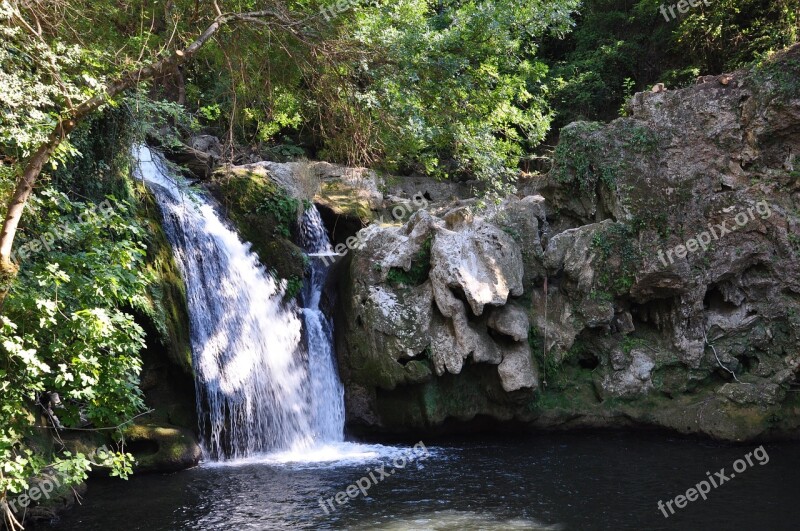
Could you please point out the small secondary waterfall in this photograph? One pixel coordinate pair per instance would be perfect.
(254, 393)
(327, 392)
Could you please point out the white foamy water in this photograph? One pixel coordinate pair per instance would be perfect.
(457, 521)
(251, 387)
(327, 392)
(259, 398)
(332, 456)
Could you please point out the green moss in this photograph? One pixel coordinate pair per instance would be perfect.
(345, 201)
(282, 208)
(630, 343)
(381, 372)
(474, 392)
(580, 158)
(253, 194)
(265, 216)
(619, 258)
(638, 138)
(167, 293)
(419, 271)
(794, 240)
(514, 233)
(778, 77)
(548, 364)
(577, 396)
(164, 448)
(559, 369)
(601, 296)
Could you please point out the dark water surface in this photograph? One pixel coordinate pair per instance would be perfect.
(547, 481)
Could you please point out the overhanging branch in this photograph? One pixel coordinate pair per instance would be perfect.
(67, 124)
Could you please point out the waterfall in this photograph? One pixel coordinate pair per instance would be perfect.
(252, 384)
(327, 392)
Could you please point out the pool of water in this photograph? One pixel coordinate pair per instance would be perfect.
(549, 481)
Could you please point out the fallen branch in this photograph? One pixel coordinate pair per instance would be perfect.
(118, 426)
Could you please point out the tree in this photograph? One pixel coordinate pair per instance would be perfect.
(455, 89)
(71, 116)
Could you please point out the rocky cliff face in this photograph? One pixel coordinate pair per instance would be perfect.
(652, 277)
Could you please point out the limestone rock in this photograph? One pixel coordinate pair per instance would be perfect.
(516, 370)
(632, 381)
(750, 393)
(525, 220)
(510, 320)
(634, 294)
(481, 261)
(398, 333)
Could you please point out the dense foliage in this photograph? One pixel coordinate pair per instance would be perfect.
(458, 86)
(621, 46)
(65, 329)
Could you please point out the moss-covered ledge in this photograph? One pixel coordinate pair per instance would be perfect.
(161, 448)
(266, 215)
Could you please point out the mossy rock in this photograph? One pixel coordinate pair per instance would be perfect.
(162, 448)
(264, 215)
(84, 442)
(345, 201)
(476, 392)
(170, 317)
(167, 376)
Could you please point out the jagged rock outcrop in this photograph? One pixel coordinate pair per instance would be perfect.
(652, 277)
(429, 297)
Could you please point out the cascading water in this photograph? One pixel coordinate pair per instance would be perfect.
(327, 392)
(256, 391)
(252, 394)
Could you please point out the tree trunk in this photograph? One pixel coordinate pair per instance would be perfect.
(24, 188)
(25, 185)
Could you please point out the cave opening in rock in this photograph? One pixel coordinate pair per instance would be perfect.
(716, 302)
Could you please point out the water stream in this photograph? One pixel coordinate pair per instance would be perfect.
(327, 392)
(254, 392)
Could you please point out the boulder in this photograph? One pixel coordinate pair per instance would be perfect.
(751, 393)
(632, 381)
(510, 320)
(161, 448)
(517, 370)
(481, 261)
